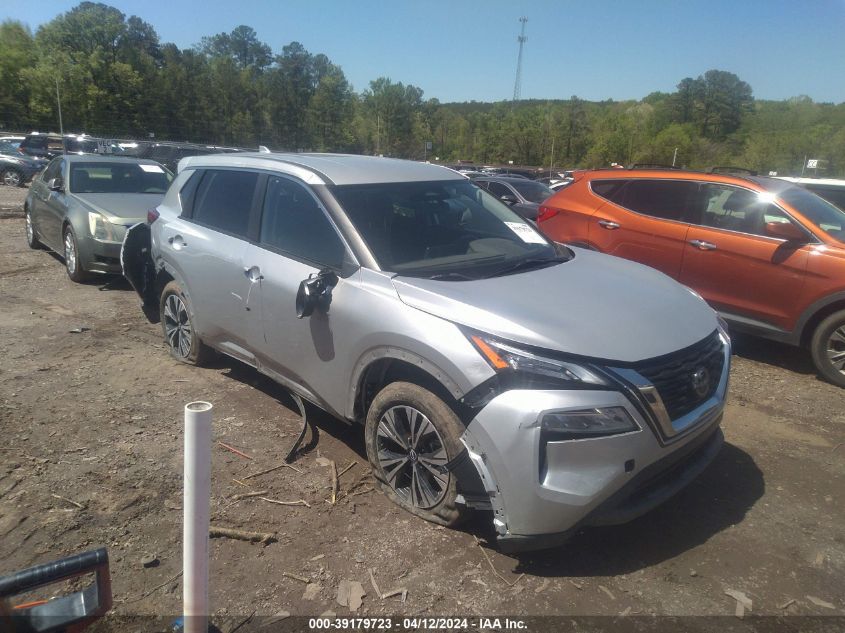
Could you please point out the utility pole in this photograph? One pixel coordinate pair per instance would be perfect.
(517, 86)
(378, 134)
(59, 102)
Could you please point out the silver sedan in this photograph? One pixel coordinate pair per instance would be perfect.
(81, 206)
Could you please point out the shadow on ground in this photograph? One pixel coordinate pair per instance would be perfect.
(772, 353)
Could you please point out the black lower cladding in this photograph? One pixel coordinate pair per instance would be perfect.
(686, 378)
(645, 491)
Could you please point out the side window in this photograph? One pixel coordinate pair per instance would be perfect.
(54, 170)
(664, 199)
(736, 209)
(294, 223)
(608, 189)
(499, 190)
(55, 144)
(224, 199)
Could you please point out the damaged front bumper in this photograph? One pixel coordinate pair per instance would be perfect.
(542, 491)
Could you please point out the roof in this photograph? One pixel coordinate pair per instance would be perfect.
(106, 158)
(774, 185)
(824, 182)
(329, 169)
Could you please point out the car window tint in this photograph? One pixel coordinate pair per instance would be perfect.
(499, 190)
(736, 209)
(608, 189)
(293, 222)
(224, 200)
(665, 199)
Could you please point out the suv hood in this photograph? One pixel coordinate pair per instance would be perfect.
(594, 305)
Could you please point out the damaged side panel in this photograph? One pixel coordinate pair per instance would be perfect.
(138, 268)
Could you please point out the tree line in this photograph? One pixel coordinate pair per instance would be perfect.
(116, 78)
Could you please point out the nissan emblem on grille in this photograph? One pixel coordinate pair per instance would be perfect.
(701, 382)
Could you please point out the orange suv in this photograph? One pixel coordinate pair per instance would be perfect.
(767, 254)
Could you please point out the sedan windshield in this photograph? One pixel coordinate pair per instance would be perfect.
(532, 191)
(450, 230)
(118, 177)
(823, 214)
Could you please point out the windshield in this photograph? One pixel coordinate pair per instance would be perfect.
(118, 177)
(440, 229)
(823, 214)
(532, 191)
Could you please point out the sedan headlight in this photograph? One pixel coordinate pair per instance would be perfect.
(100, 228)
(505, 357)
(589, 422)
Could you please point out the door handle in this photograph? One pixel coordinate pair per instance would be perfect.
(607, 224)
(253, 273)
(702, 245)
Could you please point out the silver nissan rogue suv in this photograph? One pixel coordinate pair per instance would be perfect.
(491, 369)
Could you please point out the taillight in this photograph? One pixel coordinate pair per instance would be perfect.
(546, 213)
(152, 216)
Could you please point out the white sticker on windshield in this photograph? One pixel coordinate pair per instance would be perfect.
(153, 169)
(526, 233)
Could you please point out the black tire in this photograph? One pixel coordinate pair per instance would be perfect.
(31, 239)
(12, 177)
(828, 348)
(180, 336)
(75, 270)
(432, 497)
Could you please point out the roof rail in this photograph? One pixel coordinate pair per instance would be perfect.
(652, 166)
(731, 170)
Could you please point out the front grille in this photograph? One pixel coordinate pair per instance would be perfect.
(673, 375)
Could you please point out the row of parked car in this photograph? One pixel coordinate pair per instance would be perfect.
(494, 363)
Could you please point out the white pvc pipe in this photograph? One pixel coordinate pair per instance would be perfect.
(197, 488)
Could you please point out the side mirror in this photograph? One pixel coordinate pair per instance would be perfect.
(785, 231)
(315, 292)
(56, 184)
(508, 199)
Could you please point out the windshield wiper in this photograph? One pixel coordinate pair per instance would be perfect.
(527, 264)
(450, 277)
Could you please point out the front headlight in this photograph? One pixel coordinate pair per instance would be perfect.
(589, 422)
(100, 228)
(505, 357)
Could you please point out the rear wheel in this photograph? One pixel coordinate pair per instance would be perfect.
(12, 177)
(180, 336)
(828, 348)
(411, 436)
(74, 267)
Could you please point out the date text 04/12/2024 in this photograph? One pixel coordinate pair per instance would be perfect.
(416, 624)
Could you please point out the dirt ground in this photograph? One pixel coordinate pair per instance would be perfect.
(91, 423)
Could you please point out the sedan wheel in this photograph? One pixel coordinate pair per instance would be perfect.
(12, 178)
(31, 240)
(72, 264)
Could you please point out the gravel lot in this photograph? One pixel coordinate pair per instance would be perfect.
(93, 419)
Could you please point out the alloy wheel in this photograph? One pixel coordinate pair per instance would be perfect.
(412, 456)
(70, 252)
(177, 326)
(11, 178)
(836, 349)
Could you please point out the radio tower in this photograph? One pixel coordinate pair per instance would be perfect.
(517, 85)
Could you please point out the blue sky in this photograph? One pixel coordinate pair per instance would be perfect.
(462, 50)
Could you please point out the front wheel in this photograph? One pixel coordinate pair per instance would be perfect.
(31, 239)
(828, 348)
(74, 267)
(411, 436)
(180, 336)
